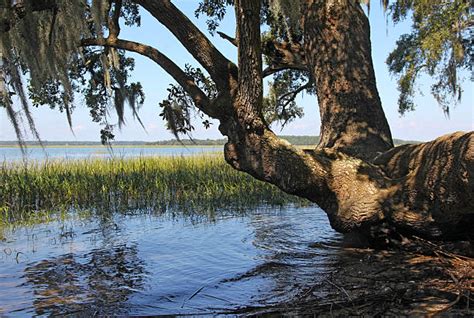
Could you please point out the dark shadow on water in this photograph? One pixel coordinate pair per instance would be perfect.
(97, 283)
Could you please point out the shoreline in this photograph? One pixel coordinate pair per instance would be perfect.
(113, 146)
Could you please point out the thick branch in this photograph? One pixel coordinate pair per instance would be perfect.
(250, 88)
(198, 96)
(217, 65)
(338, 53)
(435, 193)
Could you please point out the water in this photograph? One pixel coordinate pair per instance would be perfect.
(145, 264)
(39, 154)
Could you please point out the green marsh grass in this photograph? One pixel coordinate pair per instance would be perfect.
(157, 183)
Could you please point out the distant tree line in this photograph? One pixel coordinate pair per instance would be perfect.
(295, 140)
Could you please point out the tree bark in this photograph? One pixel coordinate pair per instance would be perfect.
(424, 189)
(338, 53)
(434, 194)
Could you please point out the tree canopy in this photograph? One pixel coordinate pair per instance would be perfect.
(53, 51)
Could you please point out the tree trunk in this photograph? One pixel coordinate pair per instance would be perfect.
(355, 175)
(338, 53)
(434, 184)
(425, 189)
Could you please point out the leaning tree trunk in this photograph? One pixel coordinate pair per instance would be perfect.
(362, 182)
(355, 175)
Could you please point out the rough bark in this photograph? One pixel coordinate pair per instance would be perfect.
(338, 52)
(435, 186)
(424, 189)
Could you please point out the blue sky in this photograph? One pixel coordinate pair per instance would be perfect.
(425, 123)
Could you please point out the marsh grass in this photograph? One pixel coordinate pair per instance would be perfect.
(158, 183)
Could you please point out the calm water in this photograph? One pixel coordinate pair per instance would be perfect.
(143, 264)
(147, 264)
(37, 153)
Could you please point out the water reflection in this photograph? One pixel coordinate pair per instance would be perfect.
(143, 264)
(98, 283)
(299, 251)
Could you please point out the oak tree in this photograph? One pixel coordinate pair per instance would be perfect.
(355, 174)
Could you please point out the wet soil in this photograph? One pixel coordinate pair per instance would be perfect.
(419, 278)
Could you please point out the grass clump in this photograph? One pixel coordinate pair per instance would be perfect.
(200, 182)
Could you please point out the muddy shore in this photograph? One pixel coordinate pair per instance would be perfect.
(417, 279)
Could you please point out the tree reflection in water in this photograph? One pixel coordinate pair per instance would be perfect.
(299, 249)
(98, 283)
(235, 263)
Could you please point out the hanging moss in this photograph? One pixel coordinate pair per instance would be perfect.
(291, 13)
(41, 44)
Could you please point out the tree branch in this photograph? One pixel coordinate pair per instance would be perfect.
(272, 69)
(221, 70)
(199, 97)
(113, 23)
(289, 97)
(292, 95)
(283, 56)
(250, 88)
(227, 37)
